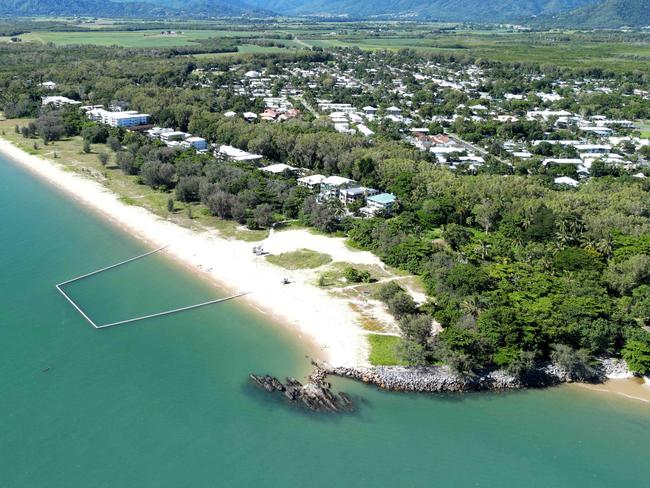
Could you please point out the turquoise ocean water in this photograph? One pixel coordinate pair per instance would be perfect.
(166, 403)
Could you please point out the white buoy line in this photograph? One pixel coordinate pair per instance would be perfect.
(60, 286)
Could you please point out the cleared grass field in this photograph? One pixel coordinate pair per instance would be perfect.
(245, 49)
(144, 39)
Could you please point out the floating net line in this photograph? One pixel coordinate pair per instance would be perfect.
(60, 286)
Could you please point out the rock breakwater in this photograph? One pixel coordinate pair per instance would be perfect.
(436, 379)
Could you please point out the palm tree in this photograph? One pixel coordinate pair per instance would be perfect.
(605, 247)
(471, 306)
(588, 242)
(483, 248)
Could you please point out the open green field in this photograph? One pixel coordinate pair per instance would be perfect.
(606, 50)
(143, 39)
(250, 49)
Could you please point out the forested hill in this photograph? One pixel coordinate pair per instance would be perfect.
(93, 8)
(449, 10)
(609, 14)
(446, 10)
(135, 9)
(541, 13)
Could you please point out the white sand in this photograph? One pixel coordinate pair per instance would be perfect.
(306, 308)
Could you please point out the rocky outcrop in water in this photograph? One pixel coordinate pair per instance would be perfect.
(316, 395)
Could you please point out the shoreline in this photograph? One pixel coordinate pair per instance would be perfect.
(610, 378)
(229, 264)
(322, 325)
(631, 388)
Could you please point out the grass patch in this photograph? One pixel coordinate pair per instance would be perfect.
(229, 228)
(127, 200)
(366, 321)
(134, 39)
(302, 259)
(382, 350)
(333, 275)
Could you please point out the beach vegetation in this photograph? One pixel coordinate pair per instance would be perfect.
(103, 158)
(301, 259)
(637, 356)
(576, 363)
(354, 275)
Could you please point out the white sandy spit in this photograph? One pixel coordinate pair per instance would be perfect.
(307, 309)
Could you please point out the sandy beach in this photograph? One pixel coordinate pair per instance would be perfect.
(307, 309)
(636, 389)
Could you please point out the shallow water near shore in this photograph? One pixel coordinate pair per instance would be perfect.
(167, 403)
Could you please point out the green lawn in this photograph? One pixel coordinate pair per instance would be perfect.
(382, 350)
(302, 259)
(644, 127)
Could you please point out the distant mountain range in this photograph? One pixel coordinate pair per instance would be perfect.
(543, 13)
(129, 9)
(446, 10)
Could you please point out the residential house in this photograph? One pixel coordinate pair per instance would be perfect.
(394, 111)
(235, 154)
(382, 202)
(354, 194)
(370, 110)
(129, 118)
(278, 169)
(364, 130)
(57, 101)
(197, 143)
(311, 182)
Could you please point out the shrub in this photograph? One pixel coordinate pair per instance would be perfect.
(386, 291)
(353, 275)
(401, 304)
(416, 328)
(576, 363)
(637, 356)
